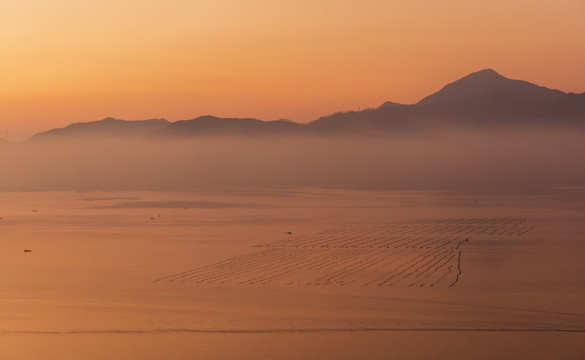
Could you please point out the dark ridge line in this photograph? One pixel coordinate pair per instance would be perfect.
(280, 331)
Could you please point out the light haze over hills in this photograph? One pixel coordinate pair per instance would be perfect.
(480, 134)
(487, 82)
(482, 99)
(109, 127)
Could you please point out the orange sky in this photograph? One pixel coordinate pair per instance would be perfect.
(63, 61)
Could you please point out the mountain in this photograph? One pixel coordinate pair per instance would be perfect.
(211, 125)
(486, 83)
(108, 127)
(481, 99)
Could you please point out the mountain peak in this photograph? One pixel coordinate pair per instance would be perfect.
(488, 82)
(487, 72)
(389, 104)
(206, 117)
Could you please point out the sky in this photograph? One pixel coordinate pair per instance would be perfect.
(64, 61)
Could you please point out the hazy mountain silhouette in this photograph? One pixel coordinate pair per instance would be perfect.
(108, 127)
(483, 99)
(211, 125)
(486, 83)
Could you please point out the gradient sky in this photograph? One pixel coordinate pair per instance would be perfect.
(64, 61)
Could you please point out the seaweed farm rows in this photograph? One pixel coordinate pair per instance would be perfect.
(407, 252)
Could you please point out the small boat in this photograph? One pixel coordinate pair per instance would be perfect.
(27, 250)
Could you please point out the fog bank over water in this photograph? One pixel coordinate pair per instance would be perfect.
(517, 161)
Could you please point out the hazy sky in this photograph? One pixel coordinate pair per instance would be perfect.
(63, 61)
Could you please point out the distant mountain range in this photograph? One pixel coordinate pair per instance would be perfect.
(108, 127)
(483, 99)
(210, 125)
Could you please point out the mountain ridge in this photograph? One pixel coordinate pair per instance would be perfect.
(483, 99)
(486, 81)
(480, 99)
(209, 125)
(108, 127)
